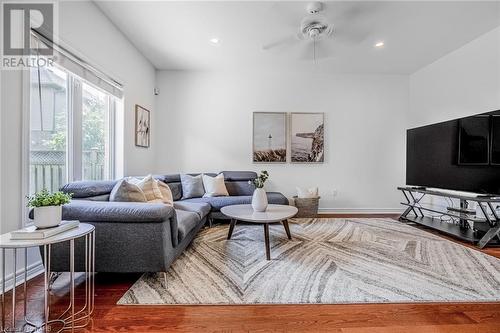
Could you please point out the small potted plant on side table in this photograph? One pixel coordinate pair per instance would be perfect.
(48, 207)
(259, 197)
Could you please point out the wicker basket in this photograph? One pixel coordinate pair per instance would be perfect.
(308, 207)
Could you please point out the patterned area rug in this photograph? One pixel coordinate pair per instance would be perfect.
(327, 261)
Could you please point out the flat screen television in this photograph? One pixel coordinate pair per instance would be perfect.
(461, 154)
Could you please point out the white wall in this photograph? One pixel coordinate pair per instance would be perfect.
(85, 29)
(105, 46)
(206, 125)
(462, 83)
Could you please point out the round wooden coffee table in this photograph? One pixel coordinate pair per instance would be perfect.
(273, 214)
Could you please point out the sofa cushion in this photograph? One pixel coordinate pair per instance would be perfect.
(192, 186)
(218, 202)
(166, 192)
(176, 189)
(186, 221)
(172, 178)
(102, 197)
(239, 175)
(85, 189)
(240, 187)
(202, 209)
(214, 186)
(127, 192)
(237, 182)
(98, 211)
(149, 187)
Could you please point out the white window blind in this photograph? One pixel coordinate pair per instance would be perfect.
(79, 67)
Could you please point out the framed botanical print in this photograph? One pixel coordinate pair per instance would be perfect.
(142, 127)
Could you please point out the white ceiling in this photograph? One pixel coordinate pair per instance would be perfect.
(175, 35)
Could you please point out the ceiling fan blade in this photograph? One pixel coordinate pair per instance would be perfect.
(285, 13)
(355, 12)
(352, 20)
(350, 35)
(283, 42)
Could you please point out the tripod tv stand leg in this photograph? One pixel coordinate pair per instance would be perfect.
(490, 235)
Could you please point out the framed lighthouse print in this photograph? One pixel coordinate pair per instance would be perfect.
(269, 137)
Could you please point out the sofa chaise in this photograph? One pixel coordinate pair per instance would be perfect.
(145, 237)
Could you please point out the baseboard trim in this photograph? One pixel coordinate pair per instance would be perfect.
(360, 210)
(34, 269)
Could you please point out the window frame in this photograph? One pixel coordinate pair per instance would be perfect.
(74, 166)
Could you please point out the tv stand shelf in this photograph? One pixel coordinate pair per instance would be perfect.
(447, 228)
(465, 226)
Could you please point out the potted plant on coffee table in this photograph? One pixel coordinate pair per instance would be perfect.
(48, 207)
(259, 197)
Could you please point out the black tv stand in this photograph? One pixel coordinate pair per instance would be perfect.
(465, 226)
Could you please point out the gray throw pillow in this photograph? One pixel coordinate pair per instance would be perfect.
(127, 192)
(192, 186)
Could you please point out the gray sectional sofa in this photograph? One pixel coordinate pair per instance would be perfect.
(145, 237)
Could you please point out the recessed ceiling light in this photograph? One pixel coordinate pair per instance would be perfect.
(214, 40)
(379, 44)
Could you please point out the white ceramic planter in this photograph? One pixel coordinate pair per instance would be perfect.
(48, 216)
(259, 200)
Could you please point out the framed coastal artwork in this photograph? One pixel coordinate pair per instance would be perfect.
(269, 137)
(307, 137)
(142, 127)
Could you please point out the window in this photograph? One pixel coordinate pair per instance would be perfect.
(96, 134)
(48, 129)
(71, 134)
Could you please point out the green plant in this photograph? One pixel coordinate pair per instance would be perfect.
(260, 180)
(45, 198)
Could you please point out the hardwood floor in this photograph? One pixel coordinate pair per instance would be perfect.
(353, 318)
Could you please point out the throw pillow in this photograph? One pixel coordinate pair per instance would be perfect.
(149, 186)
(125, 191)
(214, 186)
(307, 193)
(192, 186)
(166, 193)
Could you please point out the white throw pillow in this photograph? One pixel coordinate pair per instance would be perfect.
(166, 193)
(149, 186)
(125, 191)
(307, 193)
(214, 186)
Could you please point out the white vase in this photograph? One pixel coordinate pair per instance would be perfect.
(48, 216)
(259, 200)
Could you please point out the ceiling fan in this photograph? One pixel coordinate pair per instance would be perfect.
(316, 34)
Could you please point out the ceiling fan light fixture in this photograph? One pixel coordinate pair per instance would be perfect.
(313, 33)
(315, 25)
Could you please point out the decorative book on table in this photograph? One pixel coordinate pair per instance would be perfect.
(32, 232)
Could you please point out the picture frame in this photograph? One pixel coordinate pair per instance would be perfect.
(142, 127)
(269, 141)
(307, 137)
